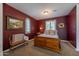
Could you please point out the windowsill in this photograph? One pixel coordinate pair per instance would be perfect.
(28, 33)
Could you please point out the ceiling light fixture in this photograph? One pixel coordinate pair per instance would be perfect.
(45, 12)
(54, 10)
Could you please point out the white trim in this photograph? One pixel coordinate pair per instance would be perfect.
(14, 47)
(77, 28)
(6, 50)
(1, 28)
(1, 53)
(77, 49)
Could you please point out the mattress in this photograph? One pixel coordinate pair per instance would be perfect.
(48, 36)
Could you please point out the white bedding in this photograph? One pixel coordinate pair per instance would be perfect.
(49, 36)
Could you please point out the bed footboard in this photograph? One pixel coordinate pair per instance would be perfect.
(50, 43)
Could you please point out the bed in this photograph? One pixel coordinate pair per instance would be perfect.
(50, 41)
(48, 36)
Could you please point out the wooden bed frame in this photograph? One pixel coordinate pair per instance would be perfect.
(50, 43)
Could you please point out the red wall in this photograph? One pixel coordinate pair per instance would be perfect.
(71, 25)
(41, 26)
(67, 33)
(10, 11)
(62, 32)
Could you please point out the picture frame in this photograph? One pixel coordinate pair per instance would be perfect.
(14, 23)
(61, 25)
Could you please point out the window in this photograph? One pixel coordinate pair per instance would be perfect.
(51, 25)
(27, 25)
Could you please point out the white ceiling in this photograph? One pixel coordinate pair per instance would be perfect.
(35, 9)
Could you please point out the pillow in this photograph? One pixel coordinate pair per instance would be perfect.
(46, 32)
(50, 32)
(53, 32)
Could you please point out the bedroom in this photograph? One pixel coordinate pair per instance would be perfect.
(38, 18)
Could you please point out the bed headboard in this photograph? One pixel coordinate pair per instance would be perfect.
(50, 32)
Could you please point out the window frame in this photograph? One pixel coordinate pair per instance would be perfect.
(26, 26)
(50, 24)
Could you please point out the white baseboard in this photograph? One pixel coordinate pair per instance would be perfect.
(13, 47)
(6, 50)
(1, 53)
(77, 49)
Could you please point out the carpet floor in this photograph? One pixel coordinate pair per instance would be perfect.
(30, 50)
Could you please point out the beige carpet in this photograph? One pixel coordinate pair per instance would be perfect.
(30, 50)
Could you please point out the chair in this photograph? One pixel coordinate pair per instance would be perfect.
(16, 40)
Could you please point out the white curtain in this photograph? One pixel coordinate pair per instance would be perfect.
(27, 25)
(51, 25)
